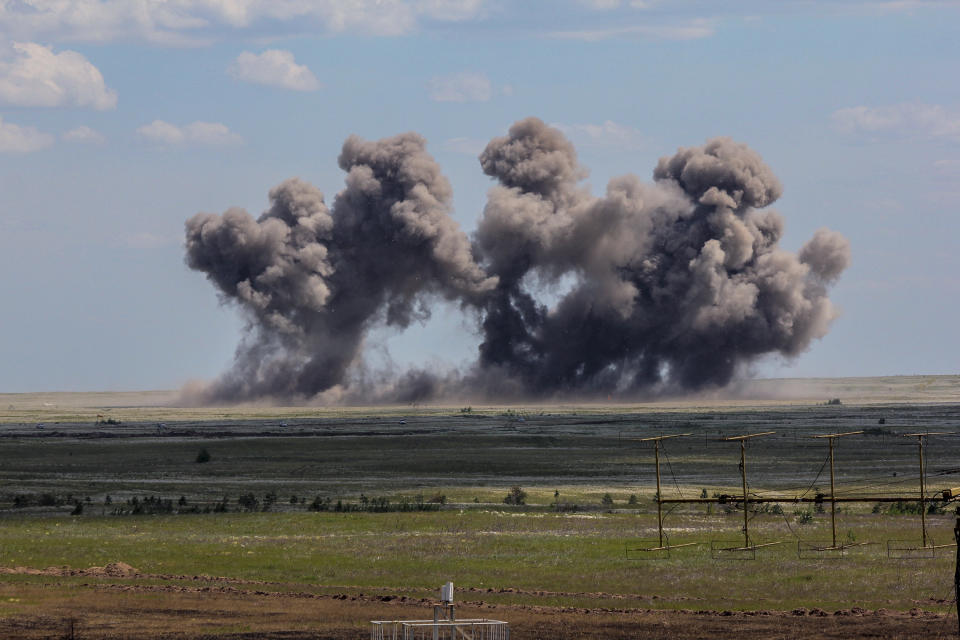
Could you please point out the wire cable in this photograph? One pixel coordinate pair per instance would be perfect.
(672, 474)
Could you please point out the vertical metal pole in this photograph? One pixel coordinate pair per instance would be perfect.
(923, 497)
(656, 451)
(743, 475)
(956, 572)
(833, 498)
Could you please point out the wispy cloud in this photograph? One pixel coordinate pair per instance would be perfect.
(689, 31)
(903, 6)
(930, 120)
(197, 22)
(605, 5)
(194, 134)
(32, 75)
(17, 139)
(273, 67)
(609, 134)
(84, 135)
(466, 86)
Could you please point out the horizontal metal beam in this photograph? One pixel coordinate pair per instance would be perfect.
(676, 435)
(823, 500)
(837, 435)
(749, 435)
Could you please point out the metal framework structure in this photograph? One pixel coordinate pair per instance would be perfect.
(467, 629)
(444, 626)
(894, 548)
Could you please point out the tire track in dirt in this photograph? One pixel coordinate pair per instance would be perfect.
(123, 570)
(480, 604)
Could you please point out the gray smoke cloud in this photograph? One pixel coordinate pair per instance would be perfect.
(678, 284)
(313, 280)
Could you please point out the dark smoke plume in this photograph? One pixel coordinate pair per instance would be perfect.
(313, 281)
(678, 284)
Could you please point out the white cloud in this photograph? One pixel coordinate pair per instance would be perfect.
(930, 120)
(17, 139)
(450, 10)
(32, 75)
(273, 67)
(195, 133)
(197, 22)
(609, 134)
(689, 31)
(898, 6)
(84, 135)
(466, 86)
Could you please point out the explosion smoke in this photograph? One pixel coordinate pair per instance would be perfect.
(679, 283)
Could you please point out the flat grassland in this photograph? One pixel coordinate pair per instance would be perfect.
(307, 522)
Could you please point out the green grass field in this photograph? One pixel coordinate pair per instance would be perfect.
(580, 558)
(528, 555)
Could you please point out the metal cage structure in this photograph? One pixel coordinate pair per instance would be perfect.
(465, 629)
(444, 626)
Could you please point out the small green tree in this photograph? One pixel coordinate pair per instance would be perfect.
(607, 500)
(516, 495)
(633, 500)
(203, 456)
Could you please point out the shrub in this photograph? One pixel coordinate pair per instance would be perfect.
(633, 500)
(516, 495)
(320, 504)
(203, 456)
(607, 500)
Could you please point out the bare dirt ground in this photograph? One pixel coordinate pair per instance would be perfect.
(120, 602)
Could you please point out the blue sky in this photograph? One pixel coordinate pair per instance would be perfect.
(120, 120)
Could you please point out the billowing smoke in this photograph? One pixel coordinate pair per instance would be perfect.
(677, 284)
(313, 281)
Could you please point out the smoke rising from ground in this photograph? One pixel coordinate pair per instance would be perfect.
(677, 284)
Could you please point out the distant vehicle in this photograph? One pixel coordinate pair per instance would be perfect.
(283, 424)
(402, 422)
(40, 425)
